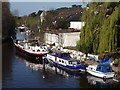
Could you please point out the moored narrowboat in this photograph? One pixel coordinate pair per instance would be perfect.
(31, 48)
(63, 60)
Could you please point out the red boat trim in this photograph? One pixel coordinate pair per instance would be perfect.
(32, 53)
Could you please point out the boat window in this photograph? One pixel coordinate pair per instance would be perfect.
(38, 50)
(99, 68)
(90, 68)
(74, 62)
(69, 62)
(62, 61)
(59, 60)
(108, 69)
(65, 55)
(33, 50)
(78, 62)
(56, 54)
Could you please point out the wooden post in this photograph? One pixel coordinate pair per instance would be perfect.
(56, 70)
(44, 64)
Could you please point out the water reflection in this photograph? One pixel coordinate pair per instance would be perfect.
(100, 82)
(19, 72)
(55, 70)
(85, 80)
(7, 57)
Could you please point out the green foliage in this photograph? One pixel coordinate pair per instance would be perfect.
(48, 22)
(117, 61)
(52, 19)
(61, 23)
(29, 21)
(100, 33)
(69, 47)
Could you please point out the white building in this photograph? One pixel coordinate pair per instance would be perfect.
(62, 39)
(42, 16)
(76, 25)
(51, 38)
(65, 38)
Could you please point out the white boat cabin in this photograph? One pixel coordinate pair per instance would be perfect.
(62, 58)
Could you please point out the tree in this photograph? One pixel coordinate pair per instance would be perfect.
(101, 32)
(61, 23)
(8, 21)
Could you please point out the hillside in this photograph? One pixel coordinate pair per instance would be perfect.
(102, 29)
(53, 19)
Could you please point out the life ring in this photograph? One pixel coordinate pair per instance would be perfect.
(115, 75)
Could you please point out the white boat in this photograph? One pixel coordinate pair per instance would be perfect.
(63, 60)
(31, 47)
(21, 28)
(102, 71)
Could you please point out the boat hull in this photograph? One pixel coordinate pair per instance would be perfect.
(101, 74)
(35, 58)
(67, 67)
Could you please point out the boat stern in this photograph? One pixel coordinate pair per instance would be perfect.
(109, 75)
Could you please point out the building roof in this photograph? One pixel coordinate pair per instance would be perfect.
(74, 17)
(68, 16)
(56, 31)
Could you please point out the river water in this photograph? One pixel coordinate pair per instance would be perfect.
(18, 72)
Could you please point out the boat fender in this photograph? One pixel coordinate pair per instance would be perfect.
(115, 75)
(55, 58)
(104, 78)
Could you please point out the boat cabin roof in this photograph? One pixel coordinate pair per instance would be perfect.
(102, 68)
(63, 55)
(32, 42)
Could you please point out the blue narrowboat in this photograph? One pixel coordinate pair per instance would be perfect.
(64, 60)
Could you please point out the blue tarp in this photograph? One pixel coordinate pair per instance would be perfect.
(104, 68)
(106, 60)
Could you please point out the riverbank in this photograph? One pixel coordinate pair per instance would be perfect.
(89, 60)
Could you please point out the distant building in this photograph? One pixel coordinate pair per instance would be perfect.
(76, 25)
(62, 39)
(42, 16)
(66, 37)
